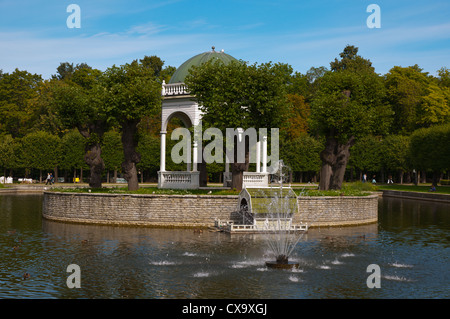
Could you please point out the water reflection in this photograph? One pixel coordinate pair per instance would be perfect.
(410, 244)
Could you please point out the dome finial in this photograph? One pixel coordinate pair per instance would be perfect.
(213, 48)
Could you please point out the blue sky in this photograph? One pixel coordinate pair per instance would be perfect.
(34, 35)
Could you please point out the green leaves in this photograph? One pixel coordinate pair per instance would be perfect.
(132, 92)
(41, 150)
(430, 148)
(240, 95)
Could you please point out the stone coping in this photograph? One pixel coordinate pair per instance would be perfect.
(417, 195)
(142, 195)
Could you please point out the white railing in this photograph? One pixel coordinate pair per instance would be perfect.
(177, 177)
(179, 180)
(253, 179)
(259, 226)
(174, 89)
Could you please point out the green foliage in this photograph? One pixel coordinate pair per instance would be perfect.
(302, 154)
(40, 150)
(351, 61)
(132, 92)
(395, 152)
(72, 151)
(17, 89)
(417, 99)
(79, 106)
(8, 158)
(366, 154)
(240, 95)
(429, 148)
(112, 151)
(149, 149)
(435, 106)
(350, 104)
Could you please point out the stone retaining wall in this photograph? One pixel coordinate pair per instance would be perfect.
(195, 210)
(145, 210)
(338, 210)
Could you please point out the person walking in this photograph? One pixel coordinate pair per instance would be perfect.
(49, 179)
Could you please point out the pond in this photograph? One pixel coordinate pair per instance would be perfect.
(410, 244)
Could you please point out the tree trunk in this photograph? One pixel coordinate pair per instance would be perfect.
(94, 160)
(325, 176)
(334, 162)
(238, 169)
(93, 134)
(56, 174)
(237, 175)
(436, 178)
(130, 142)
(400, 176)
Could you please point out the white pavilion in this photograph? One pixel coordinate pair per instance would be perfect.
(177, 102)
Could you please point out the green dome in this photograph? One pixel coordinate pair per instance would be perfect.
(197, 60)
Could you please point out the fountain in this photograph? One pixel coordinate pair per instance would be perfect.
(277, 209)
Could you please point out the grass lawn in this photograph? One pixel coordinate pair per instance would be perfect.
(349, 189)
(413, 188)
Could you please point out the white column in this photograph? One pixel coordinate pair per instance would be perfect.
(194, 168)
(188, 157)
(163, 88)
(258, 157)
(162, 165)
(264, 155)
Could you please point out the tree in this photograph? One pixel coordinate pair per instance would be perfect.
(301, 154)
(429, 149)
(132, 93)
(65, 70)
(435, 106)
(82, 105)
(444, 77)
(351, 61)
(149, 149)
(41, 150)
(405, 88)
(348, 104)
(239, 95)
(297, 122)
(72, 151)
(8, 158)
(112, 152)
(366, 154)
(395, 152)
(17, 89)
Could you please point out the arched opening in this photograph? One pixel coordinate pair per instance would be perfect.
(247, 216)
